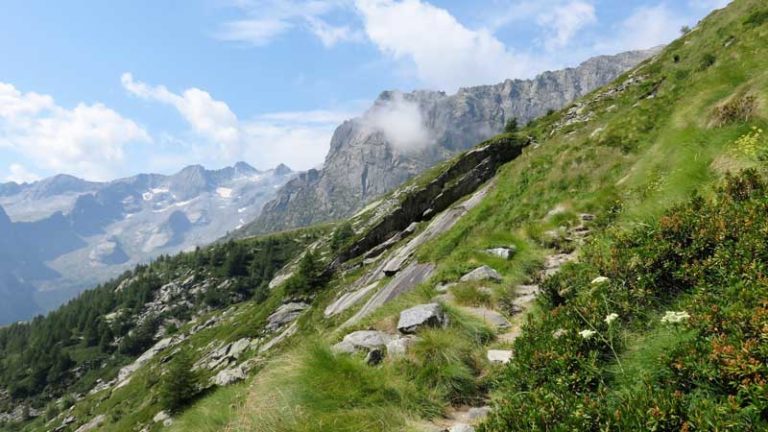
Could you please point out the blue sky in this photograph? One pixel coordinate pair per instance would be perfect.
(103, 89)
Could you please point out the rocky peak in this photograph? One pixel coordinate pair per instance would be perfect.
(403, 134)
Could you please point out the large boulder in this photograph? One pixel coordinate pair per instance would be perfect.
(426, 315)
(481, 274)
(363, 340)
(285, 314)
(228, 376)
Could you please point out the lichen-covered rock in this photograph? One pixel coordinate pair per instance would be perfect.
(363, 340)
(285, 314)
(482, 273)
(417, 317)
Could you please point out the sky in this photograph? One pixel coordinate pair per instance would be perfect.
(106, 89)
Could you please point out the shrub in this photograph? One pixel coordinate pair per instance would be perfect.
(707, 60)
(757, 18)
(739, 109)
(511, 126)
(702, 264)
(178, 385)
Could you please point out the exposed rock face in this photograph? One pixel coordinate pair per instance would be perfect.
(371, 155)
(285, 314)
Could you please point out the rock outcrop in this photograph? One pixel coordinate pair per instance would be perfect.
(371, 155)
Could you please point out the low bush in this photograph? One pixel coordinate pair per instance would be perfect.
(738, 109)
(673, 339)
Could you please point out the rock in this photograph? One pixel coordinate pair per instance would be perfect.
(238, 348)
(127, 371)
(482, 273)
(587, 217)
(502, 252)
(600, 280)
(557, 334)
(95, 423)
(461, 427)
(348, 300)
(228, 376)
(363, 163)
(476, 414)
(444, 287)
(405, 281)
(398, 347)
(490, 317)
(285, 314)
(290, 331)
(426, 315)
(499, 356)
(161, 417)
(363, 340)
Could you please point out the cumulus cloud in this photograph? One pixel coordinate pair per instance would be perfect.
(444, 53)
(210, 118)
(20, 174)
(299, 139)
(401, 122)
(88, 139)
(564, 21)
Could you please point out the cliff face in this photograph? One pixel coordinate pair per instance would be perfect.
(405, 133)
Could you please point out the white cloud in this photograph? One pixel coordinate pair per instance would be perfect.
(269, 19)
(299, 139)
(208, 117)
(444, 53)
(88, 140)
(257, 32)
(20, 174)
(331, 35)
(564, 21)
(401, 122)
(647, 27)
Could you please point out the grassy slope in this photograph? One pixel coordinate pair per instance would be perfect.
(635, 159)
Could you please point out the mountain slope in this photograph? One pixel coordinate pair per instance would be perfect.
(77, 233)
(404, 134)
(498, 300)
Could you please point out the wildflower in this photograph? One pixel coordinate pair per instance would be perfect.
(587, 334)
(671, 317)
(611, 318)
(600, 280)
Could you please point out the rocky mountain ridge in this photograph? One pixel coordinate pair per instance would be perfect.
(62, 234)
(406, 133)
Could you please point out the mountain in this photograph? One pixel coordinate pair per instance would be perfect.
(68, 233)
(603, 268)
(404, 134)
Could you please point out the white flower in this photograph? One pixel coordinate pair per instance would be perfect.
(587, 334)
(611, 318)
(600, 280)
(671, 317)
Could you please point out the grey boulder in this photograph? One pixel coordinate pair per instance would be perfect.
(417, 317)
(481, 274)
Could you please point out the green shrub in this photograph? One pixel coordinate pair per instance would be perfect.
(178, 385)
(703, 263)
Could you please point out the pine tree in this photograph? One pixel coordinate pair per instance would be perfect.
(177, 387)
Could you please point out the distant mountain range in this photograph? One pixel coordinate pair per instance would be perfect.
(405, 133)
(63, 234)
